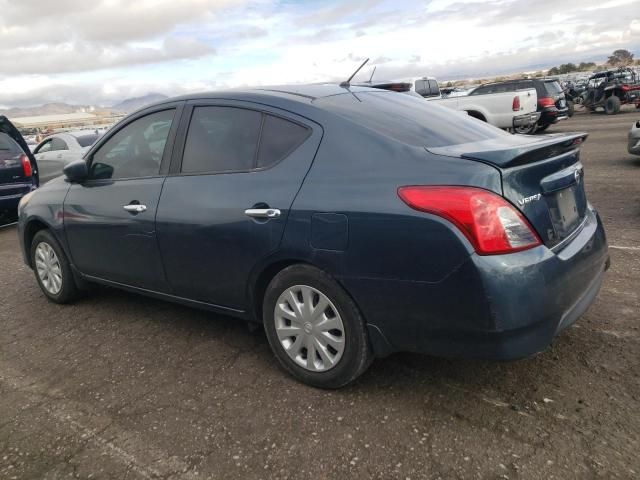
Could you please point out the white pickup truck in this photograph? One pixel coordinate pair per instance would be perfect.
(508, 110)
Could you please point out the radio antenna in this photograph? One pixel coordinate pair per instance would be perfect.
(372, 74)
(347, 83)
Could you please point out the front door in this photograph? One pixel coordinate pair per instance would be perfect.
(225, 208)
(110, 218)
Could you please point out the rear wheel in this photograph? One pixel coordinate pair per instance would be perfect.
(52, 269)
(571, 109)
(612, 105)
(526, 129)
(314, 328)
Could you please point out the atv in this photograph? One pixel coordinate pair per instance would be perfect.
(611, 89)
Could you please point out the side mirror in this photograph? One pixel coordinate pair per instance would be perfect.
(76, 172)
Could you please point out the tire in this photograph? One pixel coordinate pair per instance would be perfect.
(612, 105)
(571, 108)
(346, 353)
(53, 272)
(526, 129)
(543, 127)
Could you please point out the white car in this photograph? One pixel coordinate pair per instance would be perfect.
(500, 106)
(60, 149)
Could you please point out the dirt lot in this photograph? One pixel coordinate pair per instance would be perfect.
(120, 386)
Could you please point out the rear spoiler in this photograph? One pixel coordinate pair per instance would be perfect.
(7, 127)
(513, 150)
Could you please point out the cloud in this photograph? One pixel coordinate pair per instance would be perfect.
(98, 50)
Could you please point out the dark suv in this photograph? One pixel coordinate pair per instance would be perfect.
(18, 173)
(552, 103)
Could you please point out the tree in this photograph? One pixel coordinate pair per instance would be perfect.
(586, 66)
(553, 71)
(620, 58)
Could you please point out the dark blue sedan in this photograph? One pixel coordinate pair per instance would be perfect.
(351, 222)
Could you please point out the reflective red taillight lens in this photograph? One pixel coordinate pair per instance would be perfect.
(491, 224)
(546, 102)
(516, 103)
(26, 166)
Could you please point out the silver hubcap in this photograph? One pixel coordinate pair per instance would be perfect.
(309, 328)
(48, 268)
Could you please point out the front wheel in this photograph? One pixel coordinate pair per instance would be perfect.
(612, 105)
(52, 269)
(314, 328)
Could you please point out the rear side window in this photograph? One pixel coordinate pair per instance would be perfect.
(7, 144)
(230, 139)
(279, 138)
(87, 140)
(58, 144)
(221, 139)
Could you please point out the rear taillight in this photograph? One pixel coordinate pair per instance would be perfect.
(516, 103)
(491, 224)
(26, 166)
(546, 102)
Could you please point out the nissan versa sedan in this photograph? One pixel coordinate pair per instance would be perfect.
(351, 222)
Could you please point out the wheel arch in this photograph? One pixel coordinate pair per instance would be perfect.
(378, 341)
(32, 227)
(477, 114)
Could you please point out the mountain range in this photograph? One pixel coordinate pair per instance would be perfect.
(125, 106)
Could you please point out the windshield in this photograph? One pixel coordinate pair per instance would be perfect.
(410, 120)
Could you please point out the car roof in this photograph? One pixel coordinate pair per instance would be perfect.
(302, 93)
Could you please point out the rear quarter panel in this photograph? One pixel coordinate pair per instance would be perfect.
(393, 255)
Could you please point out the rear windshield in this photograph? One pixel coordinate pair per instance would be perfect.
(553, 88)
(410, 120)
(8, 144)
(87, 140)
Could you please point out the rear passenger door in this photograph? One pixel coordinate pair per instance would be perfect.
(235, 173)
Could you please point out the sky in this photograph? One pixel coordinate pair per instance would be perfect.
(102, 51)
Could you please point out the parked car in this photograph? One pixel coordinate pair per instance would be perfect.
(611, 89)
(634, 139)
(351, 222)
(551, 103)
(18, 168)
(60, 149)
(506, 109)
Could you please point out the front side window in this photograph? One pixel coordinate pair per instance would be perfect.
(45, 147)
(134, 151)
(483, 90)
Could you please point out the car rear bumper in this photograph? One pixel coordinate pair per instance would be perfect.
(552, 115)
(10, 194)
(501, 307)
(526, 119)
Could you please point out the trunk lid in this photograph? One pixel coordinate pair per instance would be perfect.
(11, 138)
(542, 177)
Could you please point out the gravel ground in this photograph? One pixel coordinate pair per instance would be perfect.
(121, 386)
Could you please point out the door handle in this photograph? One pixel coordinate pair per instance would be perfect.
(262, 212)
(136, 208)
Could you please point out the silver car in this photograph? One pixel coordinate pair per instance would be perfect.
(634, 138)
(60, 149)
